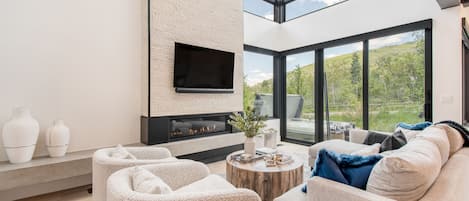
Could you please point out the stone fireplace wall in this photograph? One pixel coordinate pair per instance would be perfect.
(217, 25)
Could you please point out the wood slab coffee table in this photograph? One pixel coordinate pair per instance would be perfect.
(268, 182)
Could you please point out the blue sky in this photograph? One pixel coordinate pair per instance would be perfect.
(258, 67)
(294, 9)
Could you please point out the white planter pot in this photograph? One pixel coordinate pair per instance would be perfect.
(20, 135)
(250, 146)
(57, 139)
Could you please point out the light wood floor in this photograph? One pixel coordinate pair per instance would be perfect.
(81, 194)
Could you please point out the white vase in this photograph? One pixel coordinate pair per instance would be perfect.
(270, 140)
(20, 135)
(250, 146)
(57, 139)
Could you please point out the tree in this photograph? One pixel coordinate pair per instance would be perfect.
(298, 80)
(355, 71)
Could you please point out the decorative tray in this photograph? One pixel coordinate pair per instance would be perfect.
(246, 158)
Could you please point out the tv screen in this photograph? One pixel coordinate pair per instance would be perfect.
(202, 68)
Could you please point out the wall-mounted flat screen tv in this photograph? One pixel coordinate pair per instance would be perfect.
(202, 70)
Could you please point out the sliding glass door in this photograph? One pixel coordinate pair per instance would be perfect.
(300, 97)
(343, 85)
(397, 80)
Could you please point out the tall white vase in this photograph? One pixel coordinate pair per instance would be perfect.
(57, 139)
(250, 146)
(20, 135)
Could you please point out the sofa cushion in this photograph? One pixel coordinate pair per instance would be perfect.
(368, 151)
(209, 183)
(408, 173)
(456, 141)
(339, 146)
(294, 194)
(439, 137)
(452, 181)
(143, 181)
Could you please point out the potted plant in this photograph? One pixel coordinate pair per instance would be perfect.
(250, 123)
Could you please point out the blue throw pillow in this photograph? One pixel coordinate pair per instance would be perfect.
(348, 169)
(415, 127)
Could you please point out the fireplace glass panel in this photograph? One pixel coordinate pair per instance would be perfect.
(190, 127)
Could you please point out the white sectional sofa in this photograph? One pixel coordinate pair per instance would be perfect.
(450, 171)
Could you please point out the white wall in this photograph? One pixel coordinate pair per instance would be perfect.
(360, 16)
(79, 61)
(197, 22)
(261, 32)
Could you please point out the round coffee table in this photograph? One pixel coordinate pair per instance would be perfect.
(268, 182)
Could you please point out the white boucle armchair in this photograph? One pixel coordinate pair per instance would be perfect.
(104, 165)
(189, 180)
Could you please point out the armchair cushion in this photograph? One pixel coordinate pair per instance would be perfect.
(121, 153)
(209, 183)
(176, 175)
(143, 181)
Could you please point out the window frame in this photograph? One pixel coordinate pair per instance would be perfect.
(275, 69)
(280, 74)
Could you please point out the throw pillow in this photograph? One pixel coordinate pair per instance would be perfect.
(407, 174)
(409, 134)
(393, 142)
(374, 137)
(121, 153)
(344, 168)
(368, 151)
(143, 181)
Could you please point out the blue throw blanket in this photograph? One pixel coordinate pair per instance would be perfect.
(415, 127)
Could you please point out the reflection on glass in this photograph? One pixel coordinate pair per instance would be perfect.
(260, 8)
(258, 82)
(301, 7)
(300, 96)
(396, 80)
(343, 86)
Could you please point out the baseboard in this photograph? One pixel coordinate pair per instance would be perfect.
(44, 188)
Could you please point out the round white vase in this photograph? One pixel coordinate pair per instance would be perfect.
(250, 146)
(57, 139)
(20, 135)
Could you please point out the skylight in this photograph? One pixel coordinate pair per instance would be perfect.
(299, 8)
(260, 8)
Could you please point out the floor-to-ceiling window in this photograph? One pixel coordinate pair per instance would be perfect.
(369, 81)
(343, 86)
(396, 80)
(258, 82)
(300, 96)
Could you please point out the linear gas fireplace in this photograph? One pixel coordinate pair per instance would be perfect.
(156, 130)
